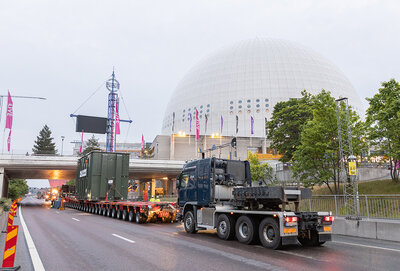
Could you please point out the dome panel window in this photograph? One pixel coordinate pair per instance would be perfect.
(266, 105)
(240, 107)
(231, 102)
(208, 105)
(258, 110)
(248, 106)
(189, 109)
(201, 111)
(258, 105)
(248, 101)
(201, 107)
(266, 110)
(231, 112)
(183, 120)
(249, 111)
(208, 110)
(266, 100)
(240, 101)
(201, 116)
(184, 110)
(240, 112)
(231, 107)
(258, 100)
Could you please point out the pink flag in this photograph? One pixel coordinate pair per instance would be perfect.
(142, 147)
(117, 129)
(197, 125)
(80, 149)
(9, 141)
(9, 117)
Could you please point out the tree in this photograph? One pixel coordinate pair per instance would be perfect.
(260, 172)
(147, 153)
(91, 145)
(44, 142)
(317, 160)
(288, 120)
(70, 182)
(17, 188)
(383, 120)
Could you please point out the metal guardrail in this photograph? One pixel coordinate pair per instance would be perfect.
(371, 206)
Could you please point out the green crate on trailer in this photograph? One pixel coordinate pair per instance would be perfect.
(102, 172)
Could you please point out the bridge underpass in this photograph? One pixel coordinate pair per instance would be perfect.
(64, 168)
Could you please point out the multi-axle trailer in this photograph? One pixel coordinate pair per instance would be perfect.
(133, 211)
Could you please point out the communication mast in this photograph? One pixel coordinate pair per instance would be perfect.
(348, 170)
(113, 86)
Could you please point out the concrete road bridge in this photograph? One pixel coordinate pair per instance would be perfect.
(64, 167)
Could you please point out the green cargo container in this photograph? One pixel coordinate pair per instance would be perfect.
(101, 172)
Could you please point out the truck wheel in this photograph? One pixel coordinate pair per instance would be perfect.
(109, 212)
(225, 227)
(119, 214)
(131, 216)
(269, 233)
(246, 230)
(189, 222)
(104, 211)
(124, 215)
(138, 218)
(114, 213)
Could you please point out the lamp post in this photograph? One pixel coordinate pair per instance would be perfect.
(62, 144)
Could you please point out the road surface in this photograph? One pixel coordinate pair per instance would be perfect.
(74, 240)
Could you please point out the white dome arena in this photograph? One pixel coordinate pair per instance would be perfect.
(246, 80)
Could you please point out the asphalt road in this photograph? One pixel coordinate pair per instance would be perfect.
(74, 240)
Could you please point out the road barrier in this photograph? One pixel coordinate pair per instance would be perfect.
(371, 206)
(11, 239)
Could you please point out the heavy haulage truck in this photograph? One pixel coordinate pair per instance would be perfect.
(102, 188)
(218, 194)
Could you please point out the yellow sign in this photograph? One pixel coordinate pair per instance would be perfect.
(352, 168)
(289, 230)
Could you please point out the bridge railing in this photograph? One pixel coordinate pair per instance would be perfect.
(371, 206)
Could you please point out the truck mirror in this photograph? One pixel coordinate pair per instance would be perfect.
(178, 181)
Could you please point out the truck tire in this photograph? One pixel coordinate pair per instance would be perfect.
(269, 233)
(189, 222)
(124, 215)
(131, 216)
(138, 219)
(313, 242)
(109, 212)
(225, 227)
(246, 230)
(104, 212)
(119, 214)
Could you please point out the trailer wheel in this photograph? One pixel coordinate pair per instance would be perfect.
(109, 212)
(124, 215)
(114, 213)
(138, 218)
(104, 211)
(269, 233)
(246, 230)
(118, 214)
(131, 216)
(225, 227)
(189, 222)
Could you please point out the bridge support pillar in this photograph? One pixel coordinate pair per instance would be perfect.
(3, 183)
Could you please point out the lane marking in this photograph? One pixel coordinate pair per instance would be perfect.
(300, 255)
(57, 212)
(123, 238)
(75, 219)
(36, 262)
(367, 246)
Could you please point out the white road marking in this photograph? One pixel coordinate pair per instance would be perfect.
(123, 238)
(300, 255)
(367, 246)
(57, 212)
(36, 262)
(75, 219)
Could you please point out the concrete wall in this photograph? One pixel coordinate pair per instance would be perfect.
(381, 229)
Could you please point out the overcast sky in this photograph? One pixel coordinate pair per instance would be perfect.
(64, 50)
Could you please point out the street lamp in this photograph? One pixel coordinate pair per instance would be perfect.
(62, 144)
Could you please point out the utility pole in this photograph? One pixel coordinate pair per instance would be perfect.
(62, 144)
(347, 175)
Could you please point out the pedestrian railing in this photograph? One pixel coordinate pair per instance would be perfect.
(371, 206)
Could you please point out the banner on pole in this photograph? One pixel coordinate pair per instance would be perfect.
(190, 126)
(9, 117)
(80, 149)
(9, 141)
(197, 125)
(117, 121)
(252, 125)
(222, 124)
(237, 124)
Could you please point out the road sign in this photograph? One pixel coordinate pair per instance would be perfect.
(352, 168)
